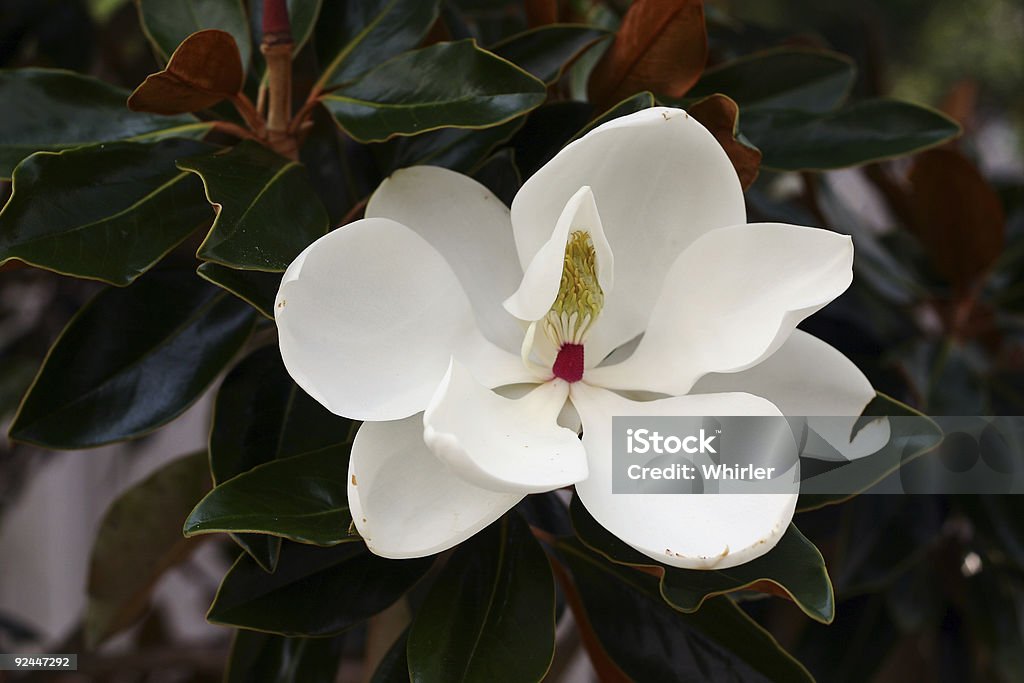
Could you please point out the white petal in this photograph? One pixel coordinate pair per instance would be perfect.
(404, 502)
(368, 317)
(471, 229)
(539, 287)
(660, 180)
(694, 531)
(730, 300)
(503, 444)
(807, 377)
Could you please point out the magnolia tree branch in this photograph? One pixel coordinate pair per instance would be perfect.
(277, 49)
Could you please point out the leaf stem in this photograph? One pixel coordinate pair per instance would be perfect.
(234, 129)
(607, 671)
(249, 113)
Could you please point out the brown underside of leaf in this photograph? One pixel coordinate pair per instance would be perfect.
(138, 541)
(720, 115)
(541, 12)
(957, 215)
(205, 69)
(607, 670)
(661, 46)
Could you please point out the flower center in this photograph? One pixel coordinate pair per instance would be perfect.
(576, 308)
(569, 363)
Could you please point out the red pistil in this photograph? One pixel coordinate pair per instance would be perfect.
(569, 363)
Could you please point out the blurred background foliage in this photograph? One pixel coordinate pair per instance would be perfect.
(928, 588)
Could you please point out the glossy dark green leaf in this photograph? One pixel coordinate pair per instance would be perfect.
(261, 415)
(910, 437)
(783, 78)
(460, 149)
(254, 287)
(394, 667)
(267, 212)
(650, 641)
(132, 360)
(105, 212)
(354, 37)
(882, 536)
(836, 653)
(500, 175)
(263, 548)
(166, 24)
(547, 130)
(871, 130)
(447, 84)
(491, 614)
(339, 168)
(315, 591)
(547, 50)
(49, 110)
(793, 568)
(138, 540)
(267, 658)
(303, 498)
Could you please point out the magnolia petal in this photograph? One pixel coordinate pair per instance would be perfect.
(693, 531)
(729, 301)
(540, 283)
(660, 180)
(368, 317)
(807, 377)
(407, 504)
(471, 229)
(503, 444)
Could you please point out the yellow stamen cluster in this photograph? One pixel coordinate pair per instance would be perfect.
(580, 297)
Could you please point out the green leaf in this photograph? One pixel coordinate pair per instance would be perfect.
(267, 212)
(867, 131)
(50, 109)
(315, 591)
(254, 287)
(132, 360)
(546, 131)
(491, 614)
(650, 641)
(500, 175)
(261, 415)
(546, 51)
(166, 24)
(794, 566)
(447, 84)
(910, 437)
(107, 212)
(303, 498)
(354, 37)
(266, 658)
(460, 149)
(138, 540)
(782, 78)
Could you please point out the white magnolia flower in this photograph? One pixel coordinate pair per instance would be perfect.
(466, 336)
